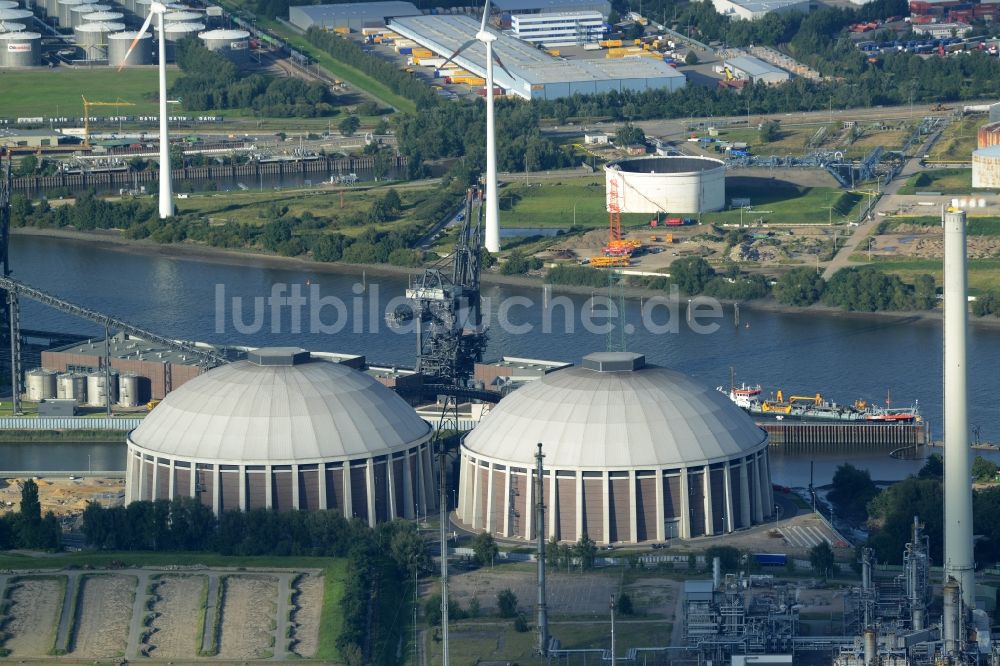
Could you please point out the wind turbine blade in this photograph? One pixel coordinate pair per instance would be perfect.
(486, 14)
(138, 36)
(496, 57)
(457, 51)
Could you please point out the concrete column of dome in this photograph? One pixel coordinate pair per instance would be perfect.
(408, 486)
(128, 477)
(554, 504)
(767, 480)
(477, 482)
(170, 480)
(192, 482)
(155, 483)
(706, 481)
(633, 521)
(660, 524)
(491, 526)
(685, 506)
(529, 503)
(508, 502)
(321, 488)
(295, 487)
(728, 491)
(767, 501)
(348, 492)
(606, 504)
(581, 529)
(744, 496)
(757, 492)
(216, 473)
(370, 482)
(243, 487)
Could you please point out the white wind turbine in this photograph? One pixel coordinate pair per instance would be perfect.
(492, 240)
(166, 193)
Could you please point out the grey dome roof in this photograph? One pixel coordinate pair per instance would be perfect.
(280, 407)
(615, 412)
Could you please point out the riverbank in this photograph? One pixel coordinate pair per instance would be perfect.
(112, 240)
(60, 436)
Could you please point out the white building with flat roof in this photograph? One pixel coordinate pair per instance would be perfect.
(754, 69)
(752, 10)
(524, 7)
(353, 16)
(559, 29)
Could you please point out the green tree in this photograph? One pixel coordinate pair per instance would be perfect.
(821, 559)
(408, 549)
(691, 58)
(29, 518)
(552, 553)
(852, 489)
(507, 603)
(485, 548)
(349, 125)
(933, 468)
(769, 131)
(800, 286)
(27, 165)
(392, 201)
(586, 550)
(983, 469)
(729, 557)
(629, 135)
(691, 274)
(432, 610)
(625, 604)
(891, 515)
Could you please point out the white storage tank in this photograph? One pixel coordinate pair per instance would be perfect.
(986, 168)
(8, 4)
(678, 185)
(64, 8)
(93, 38)
(104, 17)
(40, 384)
(234, 44)
(10, 26)
(72, 386)
(77, 13)
(119, 43)
(14, 14)
(97, 393)
(175, 32)
(128, 390)
(182, 16)
(20, 49)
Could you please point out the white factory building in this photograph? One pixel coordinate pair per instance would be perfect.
(353, 16)
(751, 10)
(560, 29)
(533, 73)
(511, 8)
(756, 70)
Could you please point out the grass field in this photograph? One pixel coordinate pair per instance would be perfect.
(984, 274)
(256, 207)
(781, 202)
(945, 181)
(957, 141)
(552, 204)
(976, 226)
(41, 92)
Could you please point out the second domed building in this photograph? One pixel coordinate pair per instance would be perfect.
(633, 453)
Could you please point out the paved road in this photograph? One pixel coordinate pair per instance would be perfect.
(208, 637)
(134, 645)
(66, 614)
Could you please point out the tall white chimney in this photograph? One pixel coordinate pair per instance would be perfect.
(957, 454)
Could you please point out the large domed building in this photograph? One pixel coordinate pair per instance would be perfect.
(284, 431)
(633, 453)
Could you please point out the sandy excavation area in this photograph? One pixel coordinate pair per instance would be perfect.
(248, 617)
(34, 611)
(305, 616)
(176, 630)
(105, 612)
(63, 496)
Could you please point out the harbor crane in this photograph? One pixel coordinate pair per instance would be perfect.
(86, 115)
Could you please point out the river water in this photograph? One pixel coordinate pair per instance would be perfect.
(842, 357)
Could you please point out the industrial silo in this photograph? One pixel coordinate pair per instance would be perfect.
(20, 49)
(182, 16)
(141, 8)
(14, 14)
(175, 32)
(65, 6)
(97, 388)
(234, 44)
(118, 44)
(77, 13)
(8, 4)
(40, 384)
(104, 17)
(10, 26)
(93, 38)
(72, 386)
(128, 390)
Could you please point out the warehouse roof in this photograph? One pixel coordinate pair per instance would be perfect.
(764, 6)
(754, 67)
(445, 34)
(550, 5)
(361, 11)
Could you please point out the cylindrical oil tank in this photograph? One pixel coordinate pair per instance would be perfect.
(10, 26)
(72, 386)
(988, 135)
(234, 44)
(14, 14)
(128, 390)
(77, 13)
(97, 393)
(8, 4)
(51, 8)
(104, 17)
(985, 167)
(182, 16)
(20, 49)
(175, 32)
(41, 384)
(64, 8)
(93, 38)
(679, 185)
(118, 44)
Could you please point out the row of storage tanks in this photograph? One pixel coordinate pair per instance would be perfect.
(100, 32)
(87, 389)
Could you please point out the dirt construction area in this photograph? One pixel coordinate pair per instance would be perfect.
(64, 496)
(161, 613)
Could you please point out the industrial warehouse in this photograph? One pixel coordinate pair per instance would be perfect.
(531, 73)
